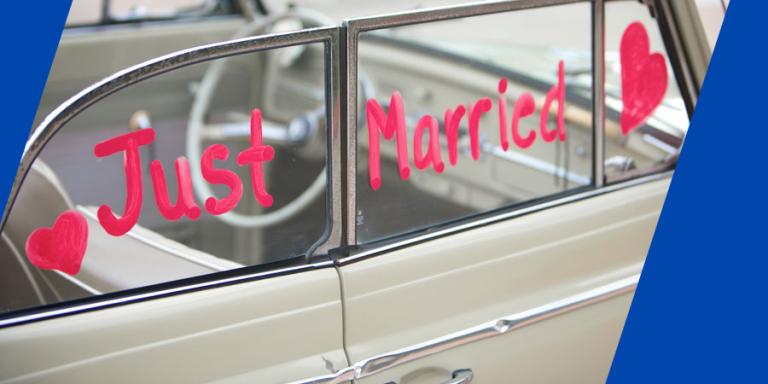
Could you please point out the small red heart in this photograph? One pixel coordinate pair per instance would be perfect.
(643, 77)
(61, 247)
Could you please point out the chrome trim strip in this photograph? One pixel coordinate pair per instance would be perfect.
(507, 324)
(102, 304)
(598, 92)
(117, 81)
(333, 230)
(350, 192)
(504, 216)
(353, 27)
(447, 13)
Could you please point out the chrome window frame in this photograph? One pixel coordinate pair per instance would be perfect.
(328, 36)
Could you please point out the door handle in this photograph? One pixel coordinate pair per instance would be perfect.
(461, 376)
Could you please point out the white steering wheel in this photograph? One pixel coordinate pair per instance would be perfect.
(197, 126)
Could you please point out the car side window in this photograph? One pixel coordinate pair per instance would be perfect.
(203, 169)
(473, 115)
(494, 111)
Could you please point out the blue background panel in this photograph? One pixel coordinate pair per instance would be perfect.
(30, 33)
(699, 312)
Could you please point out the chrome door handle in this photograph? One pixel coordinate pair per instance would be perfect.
(462, 376)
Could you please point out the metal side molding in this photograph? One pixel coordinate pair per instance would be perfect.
(377, 364)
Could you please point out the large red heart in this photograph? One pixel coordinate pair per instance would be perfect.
(61, 247)
(643, 77)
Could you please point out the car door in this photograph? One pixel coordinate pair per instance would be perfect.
(517, 262)
(100, 286)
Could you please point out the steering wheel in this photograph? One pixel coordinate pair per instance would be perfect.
(197, 126)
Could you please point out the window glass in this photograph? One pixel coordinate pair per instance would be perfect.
(656, 120)
(84, 12)
(184, 122)
(521, 68)
(143, 8)
(89, 12)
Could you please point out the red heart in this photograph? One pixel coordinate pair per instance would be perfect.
(643, 77)
(61, 247)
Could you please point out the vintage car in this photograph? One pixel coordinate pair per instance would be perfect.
(336, 191)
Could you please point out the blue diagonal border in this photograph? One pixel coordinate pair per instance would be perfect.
(698, 314)
(30, 33)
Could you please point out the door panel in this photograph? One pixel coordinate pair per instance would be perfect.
(427, 291)
(266, 331)
(552, 351)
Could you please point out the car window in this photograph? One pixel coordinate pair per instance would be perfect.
(208, 168)
(496, 112)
